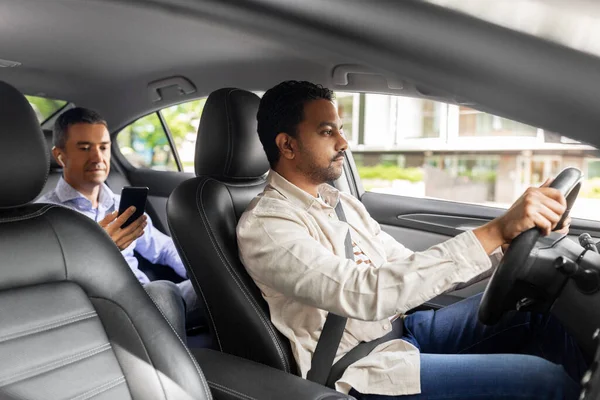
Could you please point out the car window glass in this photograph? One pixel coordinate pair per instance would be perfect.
(144, 144)
(44, 108)
(183, 120)
(423, 148)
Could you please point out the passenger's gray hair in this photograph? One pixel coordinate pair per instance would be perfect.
(77, 115)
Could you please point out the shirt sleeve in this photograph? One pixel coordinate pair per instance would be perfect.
(279, 252)
(396, 251)
(159, 248)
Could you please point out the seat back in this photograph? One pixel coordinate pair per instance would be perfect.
(74, 321)
(203, 213)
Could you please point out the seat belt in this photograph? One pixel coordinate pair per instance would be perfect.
(362, 350)
(321, 369)
(332, 332)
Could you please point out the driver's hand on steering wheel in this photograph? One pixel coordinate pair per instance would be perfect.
(538, 207)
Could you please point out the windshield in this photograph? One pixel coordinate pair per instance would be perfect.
(572, 23)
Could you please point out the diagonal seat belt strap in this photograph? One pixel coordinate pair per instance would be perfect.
(332, 332)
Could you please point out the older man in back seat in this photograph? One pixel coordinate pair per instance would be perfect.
(82, 147)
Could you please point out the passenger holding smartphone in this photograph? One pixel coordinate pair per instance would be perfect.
(124, 236)
(82, 147)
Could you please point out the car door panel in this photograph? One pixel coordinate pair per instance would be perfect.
(420, 223)
(414, 239)
(445, 218)
(161, 184)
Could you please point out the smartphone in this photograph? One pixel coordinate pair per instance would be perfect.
(133, 196)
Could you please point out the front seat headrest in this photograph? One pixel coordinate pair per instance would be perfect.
(228, 147)
(24, 161)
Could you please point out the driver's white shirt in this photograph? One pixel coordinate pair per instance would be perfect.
(292, 245)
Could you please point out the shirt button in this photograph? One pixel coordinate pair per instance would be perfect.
(331, 215)
(386, 327)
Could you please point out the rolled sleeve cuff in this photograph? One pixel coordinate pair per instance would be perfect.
(466, 250)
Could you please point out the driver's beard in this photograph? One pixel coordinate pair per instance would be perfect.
(319, 175)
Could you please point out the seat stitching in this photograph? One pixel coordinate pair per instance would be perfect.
(183, 344)
(62, 251)
(240, 284)
(229, 139)
(29, 216)
(49, 326)
(200, 374)
(40, 369)
(100, 389)
(191, 270)
(241, 178)
(230, 391)
(139, 337)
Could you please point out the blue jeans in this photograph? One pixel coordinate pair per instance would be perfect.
(524, 356)
(168, 299)
(179, 304)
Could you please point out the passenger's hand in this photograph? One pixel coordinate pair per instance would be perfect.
(123, 237)
(538, 207)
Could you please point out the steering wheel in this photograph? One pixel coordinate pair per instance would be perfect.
(498, 297)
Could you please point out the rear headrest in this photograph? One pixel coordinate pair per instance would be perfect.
(24, 161)
(228, 147)
(49, 144)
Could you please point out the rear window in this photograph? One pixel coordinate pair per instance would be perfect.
(45, 108)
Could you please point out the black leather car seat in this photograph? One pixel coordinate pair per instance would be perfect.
(203, 213)
(74, 321)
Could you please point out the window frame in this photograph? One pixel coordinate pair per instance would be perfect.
(53, 114)
(460, 144)
(123, 158)
(167, 130)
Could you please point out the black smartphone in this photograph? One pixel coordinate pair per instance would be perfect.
(133, 196)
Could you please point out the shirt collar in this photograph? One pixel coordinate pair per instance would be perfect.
(328, 193)
(66, 192)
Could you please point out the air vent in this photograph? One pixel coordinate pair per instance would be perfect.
(8, 64)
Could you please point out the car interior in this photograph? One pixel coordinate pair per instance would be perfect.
(74, 322)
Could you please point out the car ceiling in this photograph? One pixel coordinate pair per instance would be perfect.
(103, 54)
(100, 54)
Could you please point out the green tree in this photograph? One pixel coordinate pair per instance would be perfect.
(44, 108)
(182, 119)
(141, 140)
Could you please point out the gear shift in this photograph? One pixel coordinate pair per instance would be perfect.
(586, 241)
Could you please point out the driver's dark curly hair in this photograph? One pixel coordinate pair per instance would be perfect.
(282, 109)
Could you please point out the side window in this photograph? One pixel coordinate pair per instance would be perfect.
(45, 108)
(423, 148)
(145, 144)
(164, 140)
(183, 120)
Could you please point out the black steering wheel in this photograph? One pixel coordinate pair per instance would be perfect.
(497, 297)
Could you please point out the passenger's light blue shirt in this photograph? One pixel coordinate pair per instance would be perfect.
(153, 245)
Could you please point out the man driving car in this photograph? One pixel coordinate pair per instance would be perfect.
(82, 147)
(292, 243)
